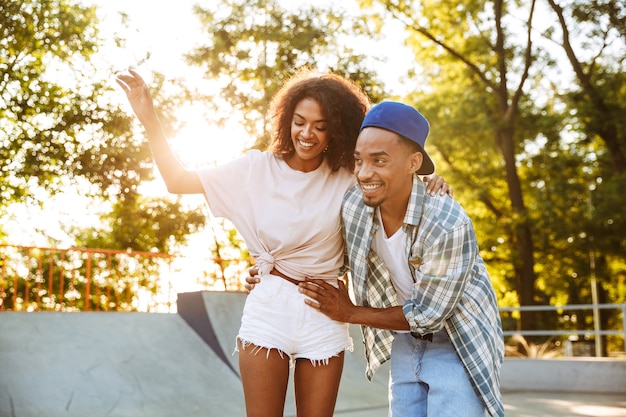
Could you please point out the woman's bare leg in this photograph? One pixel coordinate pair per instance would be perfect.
(264, 378)
(317, 386)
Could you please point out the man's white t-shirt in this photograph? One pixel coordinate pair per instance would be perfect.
(289, 219)
(392, 252)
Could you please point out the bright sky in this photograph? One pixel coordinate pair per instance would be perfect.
(167, 32)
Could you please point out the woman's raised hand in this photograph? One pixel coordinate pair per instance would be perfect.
(138, 94)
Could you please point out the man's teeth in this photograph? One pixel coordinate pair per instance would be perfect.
(369, 186)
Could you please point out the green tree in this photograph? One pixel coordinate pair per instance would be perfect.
(57, 126)
(543, 176)
(53, 121)
(591, 31)
(156, 225)
(544, 142)
(592, 35)
(58, 129)
(470, 45)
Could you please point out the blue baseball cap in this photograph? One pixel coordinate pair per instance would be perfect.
(405, 121)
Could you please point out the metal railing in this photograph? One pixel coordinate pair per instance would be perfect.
(85, 279)
(597, 331)
(80, 279)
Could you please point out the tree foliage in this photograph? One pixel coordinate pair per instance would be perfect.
(53, 121)
(590, 32)
(471, 43)
(156, 225)
(57, 126)
(529, 93)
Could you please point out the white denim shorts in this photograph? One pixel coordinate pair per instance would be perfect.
(276, 317)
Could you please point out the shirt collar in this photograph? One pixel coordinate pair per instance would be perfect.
(414, 208)
(416, 202)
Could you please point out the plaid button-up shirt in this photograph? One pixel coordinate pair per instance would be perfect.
(452, 288)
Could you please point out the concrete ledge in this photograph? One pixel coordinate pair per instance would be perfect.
(593, 375)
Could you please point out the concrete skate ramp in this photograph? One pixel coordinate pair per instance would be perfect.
(216, 316)
(158, 365)
(146, 364)
(110, 364)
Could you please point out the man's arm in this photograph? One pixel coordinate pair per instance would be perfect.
(446, 269)
(336, 304)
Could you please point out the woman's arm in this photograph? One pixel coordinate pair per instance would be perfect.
(177, 178)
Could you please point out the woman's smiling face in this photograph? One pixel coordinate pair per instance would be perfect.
(309, 135)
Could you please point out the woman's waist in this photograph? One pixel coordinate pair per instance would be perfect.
(277, 273)
(297, 280)
(299, 267)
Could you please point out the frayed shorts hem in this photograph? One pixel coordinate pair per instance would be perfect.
(321, 359)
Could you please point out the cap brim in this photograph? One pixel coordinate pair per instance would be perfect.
(428, 167)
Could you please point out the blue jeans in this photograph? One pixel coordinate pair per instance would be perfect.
(428, 379)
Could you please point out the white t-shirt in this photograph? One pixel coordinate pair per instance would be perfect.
(392, 251)
(289, 219)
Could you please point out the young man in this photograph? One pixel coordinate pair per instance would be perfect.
(423, 294)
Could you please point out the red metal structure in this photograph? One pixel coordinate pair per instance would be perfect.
(82, 279)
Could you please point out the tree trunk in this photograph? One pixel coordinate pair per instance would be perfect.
(523, 260)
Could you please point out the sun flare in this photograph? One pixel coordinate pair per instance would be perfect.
(202, 145)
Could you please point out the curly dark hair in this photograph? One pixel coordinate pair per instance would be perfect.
(343, 104)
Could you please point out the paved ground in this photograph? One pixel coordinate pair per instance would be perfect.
(156, 365)
(552, 404)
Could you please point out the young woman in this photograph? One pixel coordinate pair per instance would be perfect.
(285, 203)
